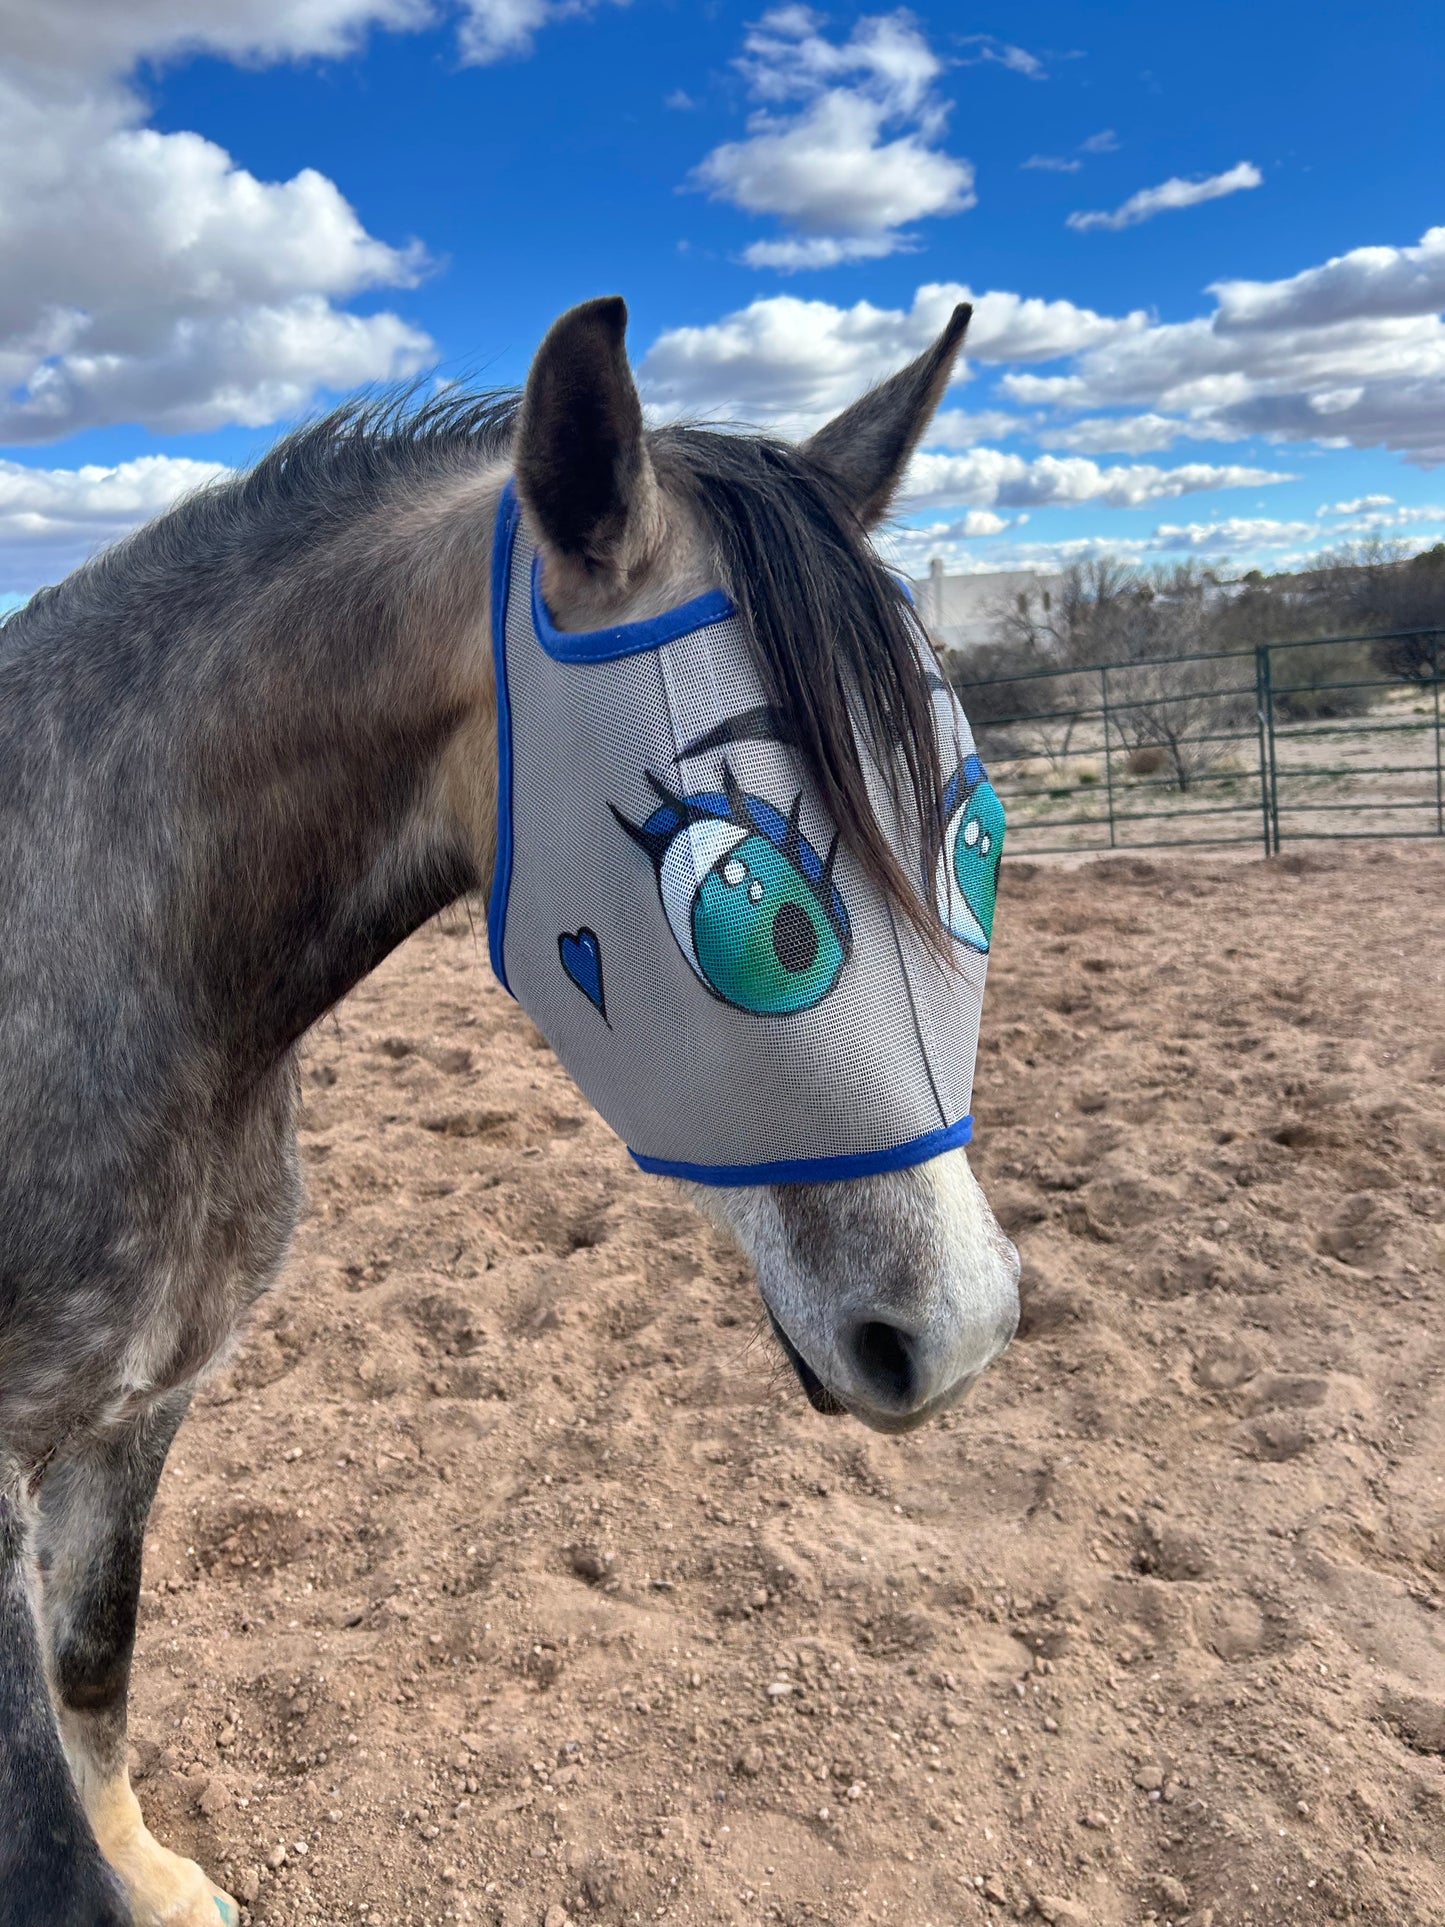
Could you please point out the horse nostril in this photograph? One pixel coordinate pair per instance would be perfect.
(884, 1358)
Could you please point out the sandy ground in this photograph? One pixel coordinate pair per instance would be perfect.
(505, 1576)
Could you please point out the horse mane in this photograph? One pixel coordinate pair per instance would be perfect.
(832, 634)
(833, 638)
(217, 544)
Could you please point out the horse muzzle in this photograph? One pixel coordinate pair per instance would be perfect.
(892, 1377)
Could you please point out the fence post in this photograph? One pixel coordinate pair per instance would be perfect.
(1108, 760)
(1264, 714)
(1273, 759)
(1439, 767)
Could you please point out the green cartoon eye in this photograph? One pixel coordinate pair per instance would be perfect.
(765, 929)
(973, 834)
(761, 937)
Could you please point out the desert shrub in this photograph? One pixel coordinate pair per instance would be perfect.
(1416, 658)
(1322, 681)
(1146, 759)
(1012, 681)
(986, 702)
(997, 743)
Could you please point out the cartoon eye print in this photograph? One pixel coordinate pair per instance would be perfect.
(967, 878)
(751, 903)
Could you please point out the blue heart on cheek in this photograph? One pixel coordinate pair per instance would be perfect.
(580, 955)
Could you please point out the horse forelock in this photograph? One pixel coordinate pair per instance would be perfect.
(834, 639)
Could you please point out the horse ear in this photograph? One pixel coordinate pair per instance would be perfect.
(581, 463)
(867, 447)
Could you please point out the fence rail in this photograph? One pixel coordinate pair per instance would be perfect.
(1284, 742)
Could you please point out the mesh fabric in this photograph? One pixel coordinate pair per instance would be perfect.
(671, 1026)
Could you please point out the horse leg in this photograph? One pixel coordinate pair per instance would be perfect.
(93, 1509)
(51, 1874)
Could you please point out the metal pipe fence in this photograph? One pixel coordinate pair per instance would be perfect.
(1343, 736)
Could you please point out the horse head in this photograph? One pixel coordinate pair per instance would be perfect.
(764, 963)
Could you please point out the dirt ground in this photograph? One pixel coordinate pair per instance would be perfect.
(506, 1576)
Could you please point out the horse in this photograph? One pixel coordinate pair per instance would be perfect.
(243, 755)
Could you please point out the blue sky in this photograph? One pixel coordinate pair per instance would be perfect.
(1207, 250)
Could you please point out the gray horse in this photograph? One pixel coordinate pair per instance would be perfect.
(242, 756)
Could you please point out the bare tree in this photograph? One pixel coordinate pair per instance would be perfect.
(1149, 624)
(1193, 712)
(1141, 623)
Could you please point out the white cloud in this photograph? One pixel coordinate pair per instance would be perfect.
(52, 518)
(1129, 434)
(819, 251)
(1049, 557)
(791, 363)
(857, 158)
(1167, 197)
(1012, 327)
(74, 41)
(1357, 506)
(954, 428)
(1242, 539)
(1365, 284)
(494, 29)
(1231, 536)
(1364, 520)
(986, 47)
(1336, 401)
(992, 478)
(979, 522)
(1103, 143)
(149, 278)
(1371, 379)
(955, 544)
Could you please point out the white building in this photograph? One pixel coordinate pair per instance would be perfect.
(962, 611)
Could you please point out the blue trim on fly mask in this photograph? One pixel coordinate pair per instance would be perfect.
(856, 1164)
(504, 538)
(623, 638)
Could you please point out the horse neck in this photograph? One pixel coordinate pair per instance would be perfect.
(352, 794)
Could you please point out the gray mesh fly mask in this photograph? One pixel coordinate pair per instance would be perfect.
(676, 915)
